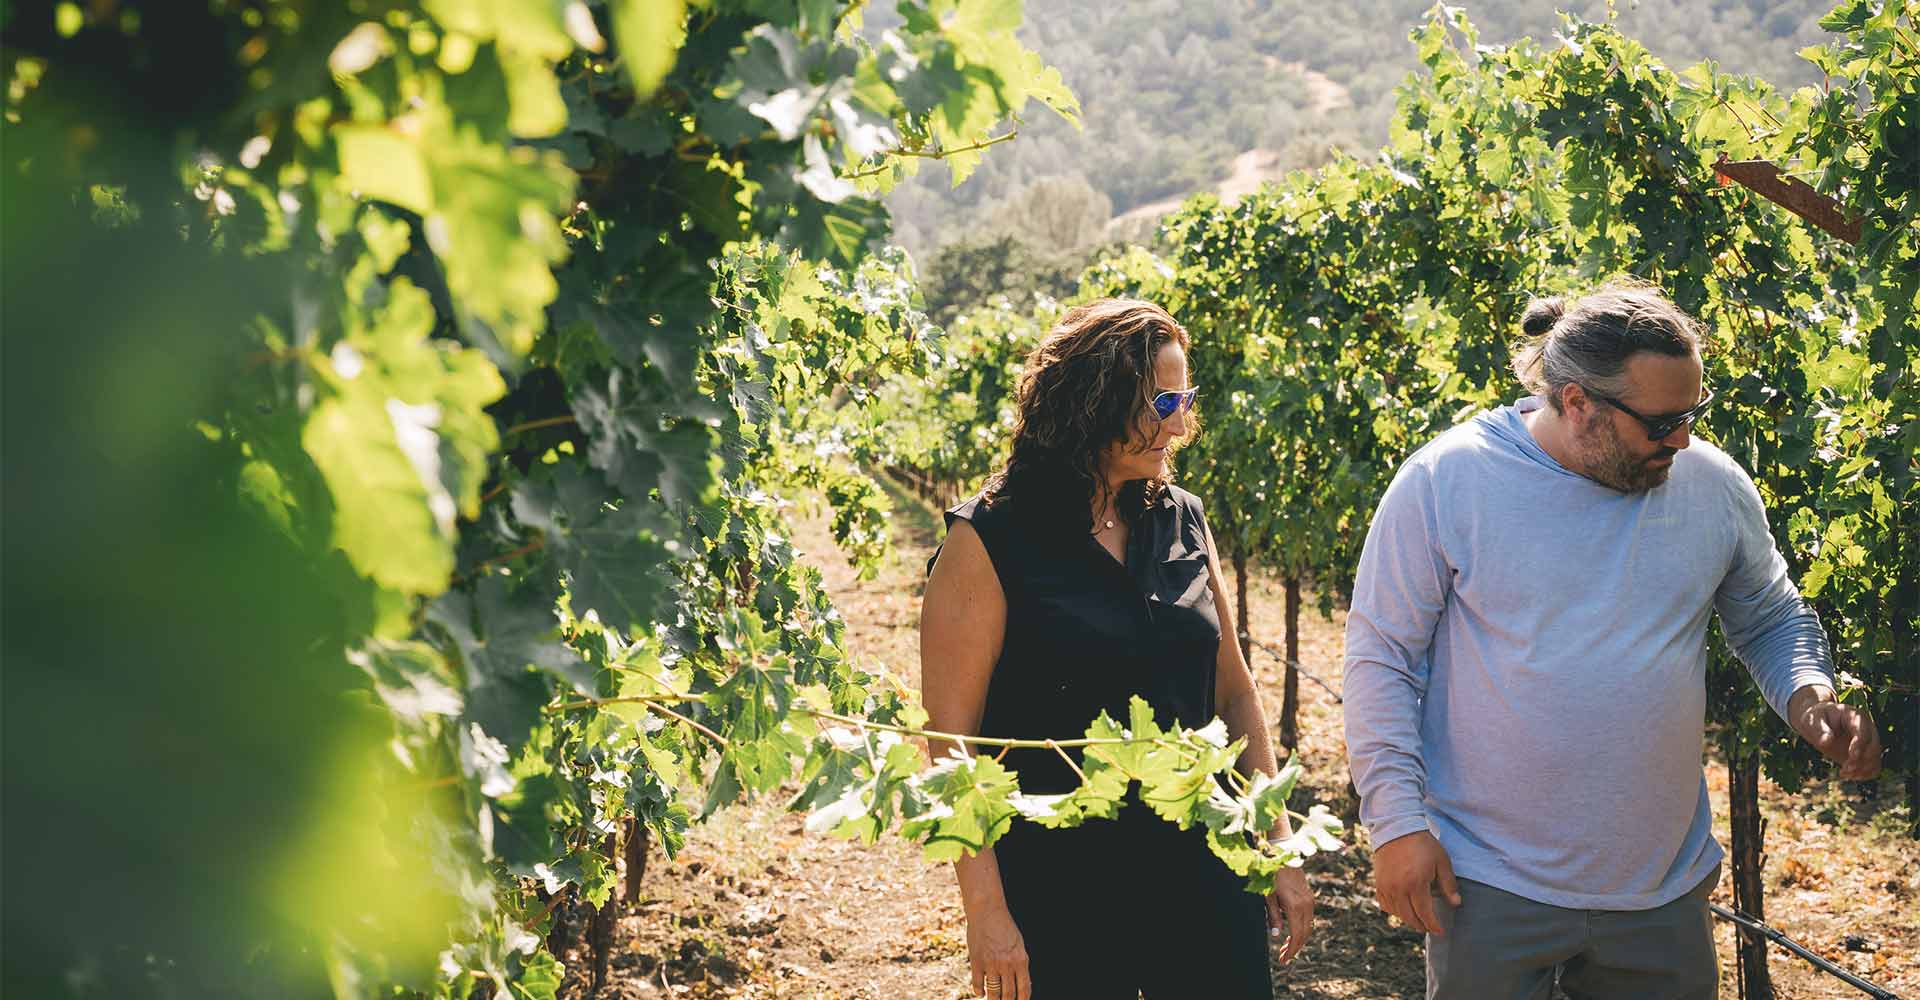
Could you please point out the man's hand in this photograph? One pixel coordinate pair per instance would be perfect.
(1406, 871)
(1842, 733)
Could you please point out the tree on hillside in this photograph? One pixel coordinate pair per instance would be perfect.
(966, 275)
(1174, 91)
(1057, 214)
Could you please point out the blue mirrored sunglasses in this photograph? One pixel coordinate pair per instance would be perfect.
(1173, 401)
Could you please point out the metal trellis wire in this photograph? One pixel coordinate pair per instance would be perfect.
(1295, 664)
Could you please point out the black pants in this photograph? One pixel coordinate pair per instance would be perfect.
(1119, 908)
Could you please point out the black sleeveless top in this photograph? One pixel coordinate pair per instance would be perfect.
(1085, 633)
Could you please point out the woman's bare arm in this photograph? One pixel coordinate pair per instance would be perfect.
(963, 623)
(1290, 904)
(1233, 690)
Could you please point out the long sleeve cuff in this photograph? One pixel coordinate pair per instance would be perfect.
(1395, 827)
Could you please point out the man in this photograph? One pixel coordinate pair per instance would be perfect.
(1526, 655)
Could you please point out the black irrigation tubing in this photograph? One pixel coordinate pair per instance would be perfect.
(1773, 934)
(1282, 657)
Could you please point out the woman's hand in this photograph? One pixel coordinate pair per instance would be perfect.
(1290, 905)
(999, 956)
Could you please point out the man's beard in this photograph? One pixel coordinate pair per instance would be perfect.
(1610, 464)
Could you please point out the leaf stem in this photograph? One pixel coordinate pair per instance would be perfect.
(552, 902)
(938, 154)
(670, 713)
(534, 425)
(1728, 105)
(1757, 106)
(1082, 775)
(963, 741)
(533, 546)
(269, 356)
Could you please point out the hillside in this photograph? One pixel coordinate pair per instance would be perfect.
(1181, 95)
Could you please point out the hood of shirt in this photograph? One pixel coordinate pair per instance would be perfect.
(1505, 427)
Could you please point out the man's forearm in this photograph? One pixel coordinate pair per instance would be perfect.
(1382, 710)
(1803, 699)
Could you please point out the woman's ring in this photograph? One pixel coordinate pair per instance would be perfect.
(993, 986)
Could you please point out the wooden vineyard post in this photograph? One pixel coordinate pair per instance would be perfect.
(1290, 699)
(1240, 610)
(1905, 711)
(1749, 830)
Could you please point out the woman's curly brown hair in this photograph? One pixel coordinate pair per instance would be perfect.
(1085, 387)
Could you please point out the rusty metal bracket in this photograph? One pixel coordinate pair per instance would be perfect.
(1790, 193)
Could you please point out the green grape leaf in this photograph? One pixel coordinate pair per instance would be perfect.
(650, 34)
(722, 790)
(830, 774)
(640, 448)
(384, 517)
(614, 562)
(379, 163)
(775, 72)
(755, 700)
(386, 238)
(837, 233)
(402, 441)
(540, 978)
(535, 28)
(598, 876)
(644, 132)
(843, 814)
(506, 637)
(411, 678)
(533, 95)
(765, 764)
(671, 345)
(495, 229)
(523, 824)
(972, 810)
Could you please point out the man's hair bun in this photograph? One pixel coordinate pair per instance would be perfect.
(1541, 314)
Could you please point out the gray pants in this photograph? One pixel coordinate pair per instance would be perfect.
(1499, 946)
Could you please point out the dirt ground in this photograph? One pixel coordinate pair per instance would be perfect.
(755, 908)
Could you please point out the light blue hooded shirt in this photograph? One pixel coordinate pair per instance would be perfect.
(1526, 662)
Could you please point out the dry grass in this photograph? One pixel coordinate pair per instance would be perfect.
(754, 908)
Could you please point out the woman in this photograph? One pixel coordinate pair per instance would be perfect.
(1078, 577)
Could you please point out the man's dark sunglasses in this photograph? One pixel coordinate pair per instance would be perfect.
(1173, 401)
(1661, 426)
